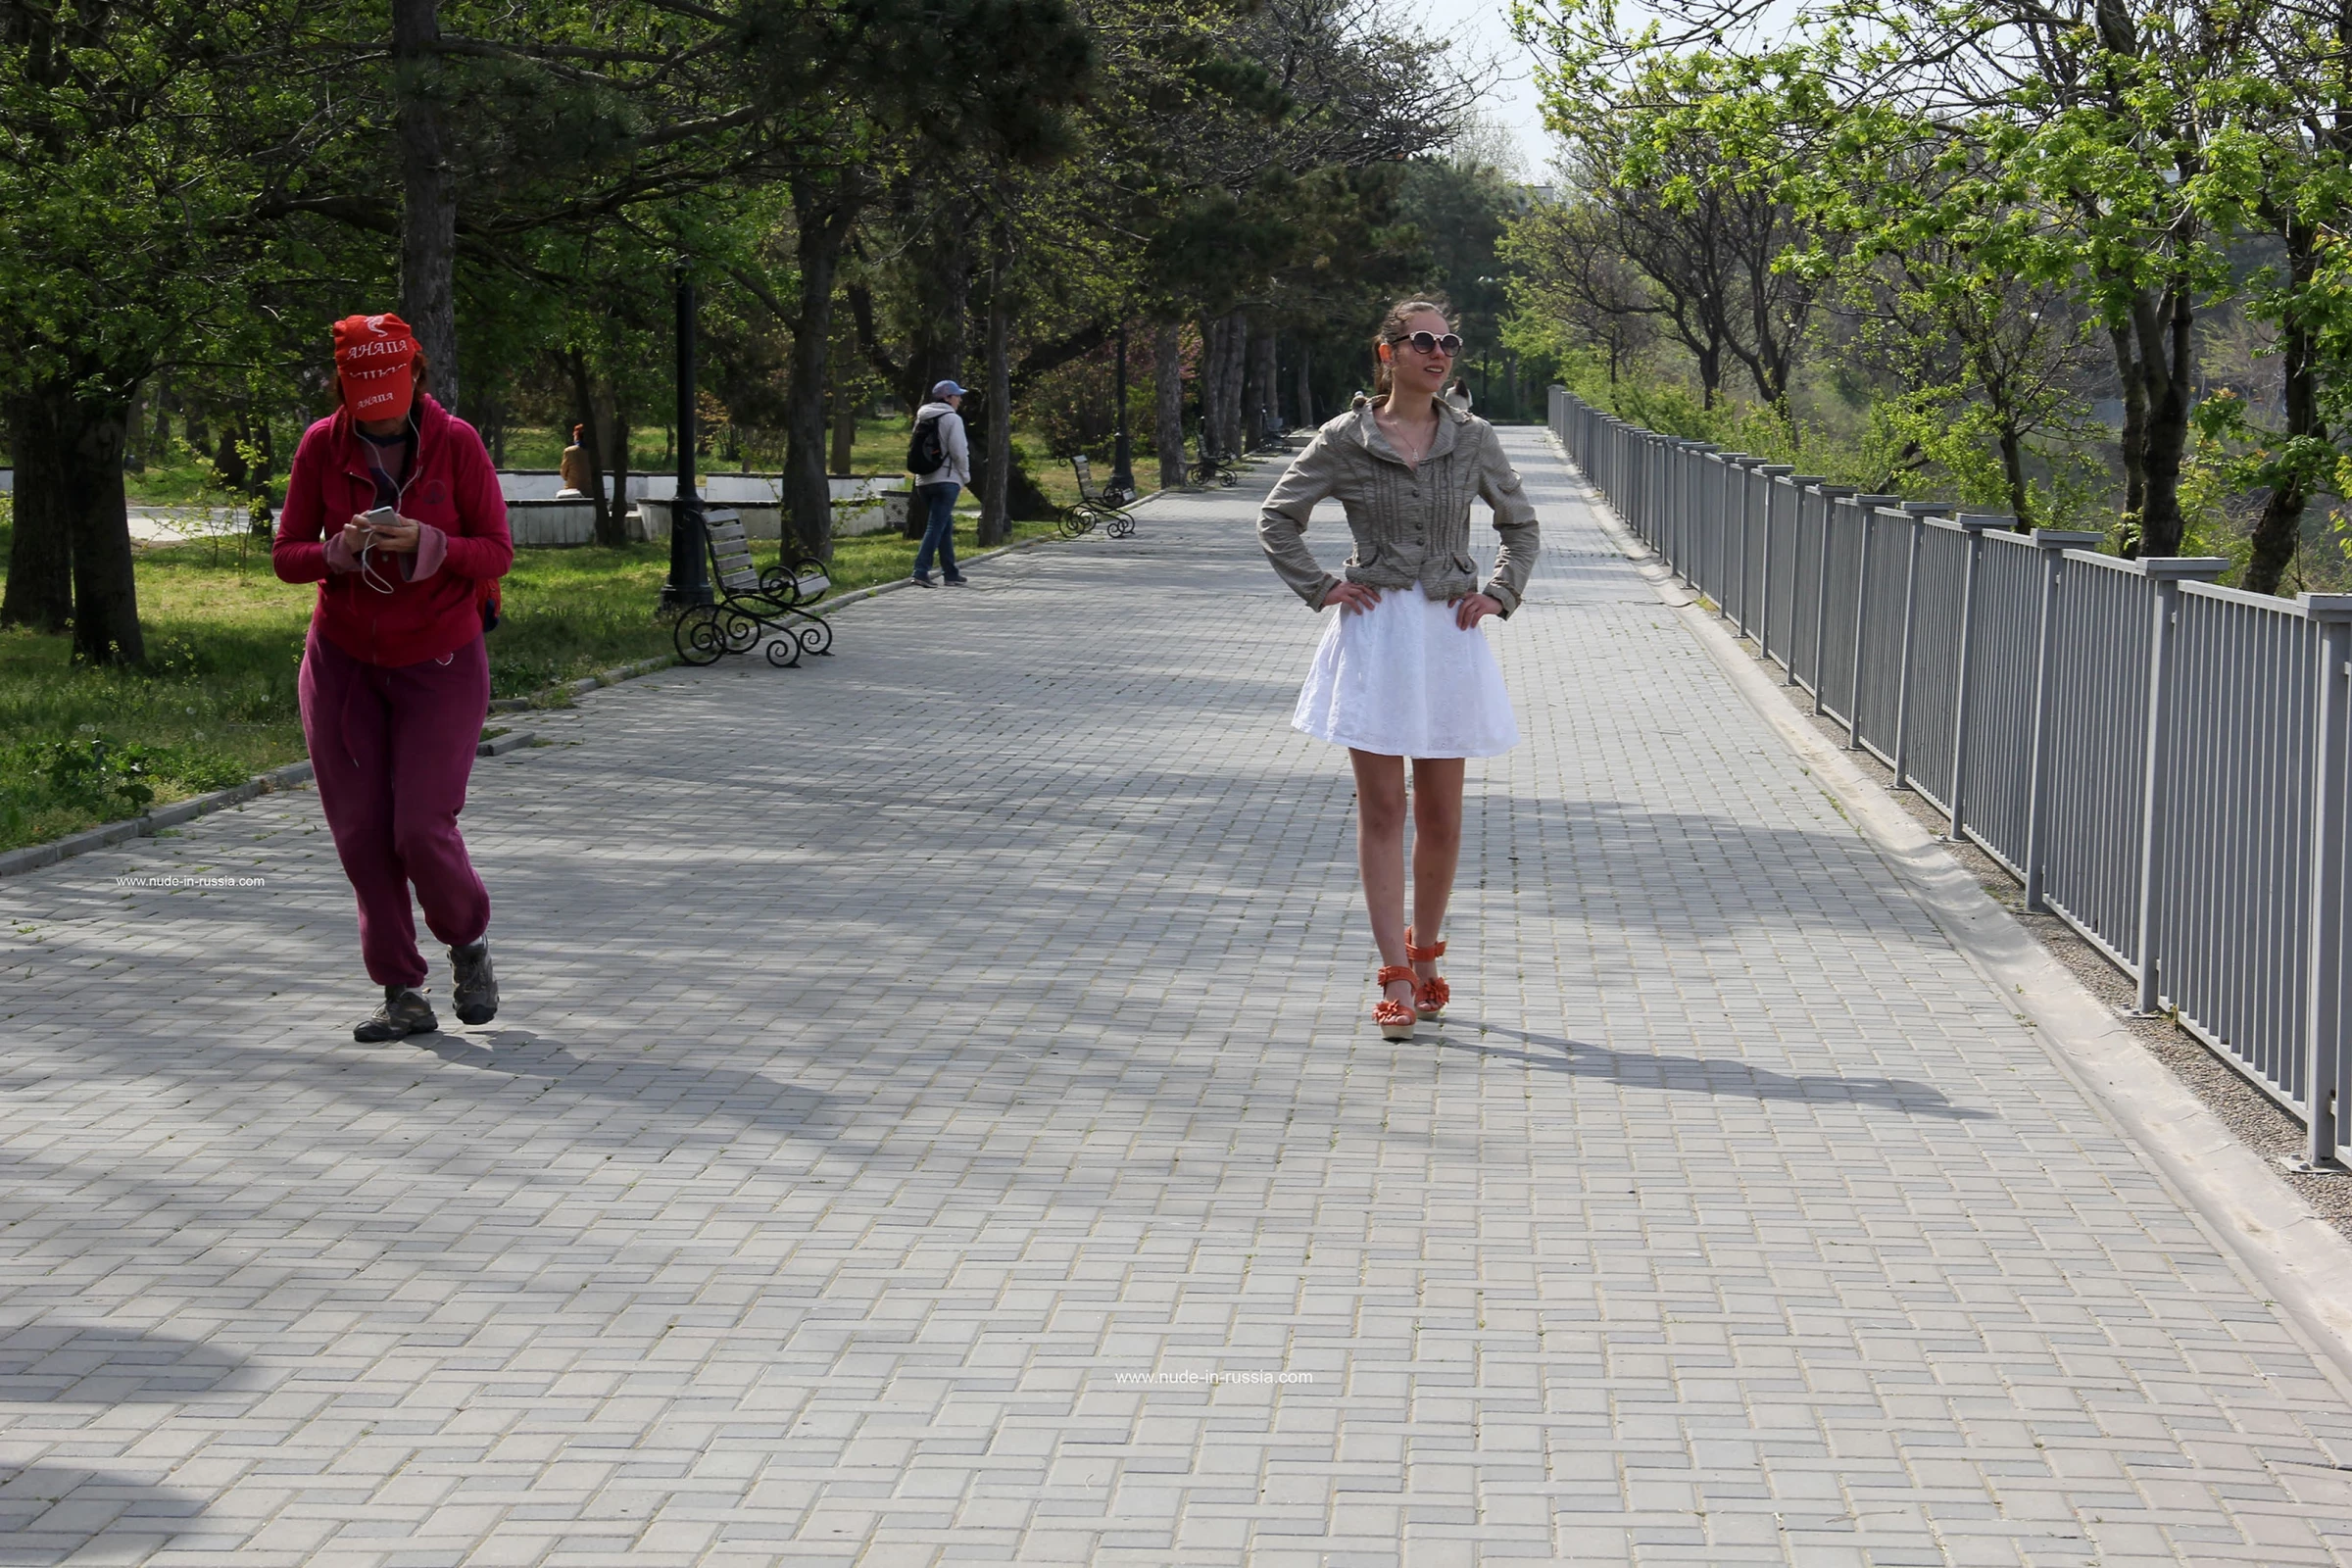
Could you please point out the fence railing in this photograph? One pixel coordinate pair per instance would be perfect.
(2159, 761)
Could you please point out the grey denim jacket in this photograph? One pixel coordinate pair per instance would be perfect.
(1411, 525)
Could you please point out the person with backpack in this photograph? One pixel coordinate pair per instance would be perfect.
(939, 460)
(393, 510)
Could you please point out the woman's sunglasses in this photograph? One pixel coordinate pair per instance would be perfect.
(1450, 345)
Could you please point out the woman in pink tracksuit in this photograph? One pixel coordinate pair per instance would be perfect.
(393, 510)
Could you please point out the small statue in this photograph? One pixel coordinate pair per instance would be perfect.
(574, 470)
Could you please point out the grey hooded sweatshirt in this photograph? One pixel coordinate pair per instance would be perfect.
(958, 469)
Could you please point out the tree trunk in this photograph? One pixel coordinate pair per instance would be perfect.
(943, 287)
(2168, 352)
(428, 219)
(2132, 438)
(610, 529)
(845, 426)
(1307, 389)
(70, 459)
(2280, 533)
(616, 505)
(69, 485)
(995, 522)
(229, 461)
(1167, 431)
(2013, 471)
(40, 556)
(1235, 360)
(1259, 398)
(134, 456)
(106, 589)
(1205, 381)
(825, 207)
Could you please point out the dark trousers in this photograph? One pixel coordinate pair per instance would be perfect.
(939, 534)
(394, 750)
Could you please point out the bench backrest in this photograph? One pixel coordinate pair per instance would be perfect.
(731, 569)
(1085, 477)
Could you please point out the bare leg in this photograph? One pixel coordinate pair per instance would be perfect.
(1437, 847)
(1380, 805)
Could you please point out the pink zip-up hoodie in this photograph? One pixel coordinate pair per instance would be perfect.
(400, 610)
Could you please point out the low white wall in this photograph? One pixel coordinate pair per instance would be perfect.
(718, 489)
(552, 522)
(872, 515)
(8, 481)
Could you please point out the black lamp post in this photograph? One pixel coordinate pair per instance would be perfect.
(689, 574)
(1122, 456)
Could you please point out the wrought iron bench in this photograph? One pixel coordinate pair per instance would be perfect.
(1095, 504)
(1212, 467)
(751, 607)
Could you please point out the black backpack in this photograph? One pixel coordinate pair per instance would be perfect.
(926, 453)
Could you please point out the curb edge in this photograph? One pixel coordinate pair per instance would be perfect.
(2292, 1260)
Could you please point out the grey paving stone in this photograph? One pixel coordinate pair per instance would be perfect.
(915, 1065)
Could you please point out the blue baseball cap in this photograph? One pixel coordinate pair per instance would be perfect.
(946, 389)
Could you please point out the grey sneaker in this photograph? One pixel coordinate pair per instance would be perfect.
(404, 1011)
(923, 579)
(475, 994)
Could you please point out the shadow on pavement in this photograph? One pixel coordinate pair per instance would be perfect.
(56, 1514)
(51, 1513)
(44, 1363)
(1710, 1075)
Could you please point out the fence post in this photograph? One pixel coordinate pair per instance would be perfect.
(2323, 1012)
(1865, 507)
(1918, 512)
(1975, 527)
(1686, 520)
(1738, 579)
(1830, 494)
(1727, 477)
(1773, 473)
(1795, 487)
(2164, 573)
(1673, 458)
(1634, 455)
(1644, 446)
(1664, 457)
(2053, 543)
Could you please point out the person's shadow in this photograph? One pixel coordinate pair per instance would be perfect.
(645, 1083)
(54, 1513)
(1703, 1075)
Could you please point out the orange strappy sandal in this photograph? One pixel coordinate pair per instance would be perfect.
(1430, 995)
(1394, 1018)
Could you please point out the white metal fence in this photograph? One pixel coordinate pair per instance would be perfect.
(2162, 762)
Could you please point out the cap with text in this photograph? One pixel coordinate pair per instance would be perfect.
(375, 358)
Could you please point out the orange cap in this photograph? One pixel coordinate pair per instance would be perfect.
(375, 359)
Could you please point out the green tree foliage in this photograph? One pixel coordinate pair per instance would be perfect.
(2008, 203)
(141, 137)
(193, 191)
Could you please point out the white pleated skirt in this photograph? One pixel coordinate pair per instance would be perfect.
(1402, 680)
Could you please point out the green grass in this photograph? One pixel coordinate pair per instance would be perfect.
(181, 479)
(215, 701)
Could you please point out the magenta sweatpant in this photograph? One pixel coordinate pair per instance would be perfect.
(393, 749)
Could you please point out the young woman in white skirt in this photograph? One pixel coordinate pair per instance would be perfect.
(1403, 670)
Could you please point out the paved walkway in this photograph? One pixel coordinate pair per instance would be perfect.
(935, 1120)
